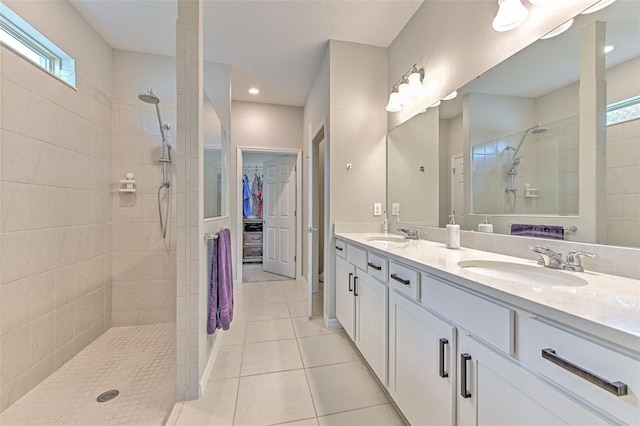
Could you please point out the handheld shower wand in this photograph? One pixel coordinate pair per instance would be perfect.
(151, 98)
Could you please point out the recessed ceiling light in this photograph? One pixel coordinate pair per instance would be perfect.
(254, 90)
(609, 47)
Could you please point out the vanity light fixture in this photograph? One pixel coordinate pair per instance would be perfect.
(254, 90)
(511, 13)
(598, 6)
(408, 87)
(559, 30)
(450, 96)
(435, 104)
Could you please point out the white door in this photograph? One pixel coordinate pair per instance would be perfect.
(345, 302)
(279, 230)
(457, 187)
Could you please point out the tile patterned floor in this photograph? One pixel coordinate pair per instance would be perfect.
(276, 366)
(138, 361)
(253, 273)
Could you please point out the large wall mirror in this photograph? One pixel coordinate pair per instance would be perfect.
(510, 144)
(215, 158)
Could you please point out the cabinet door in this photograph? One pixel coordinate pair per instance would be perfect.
(371, 322)
(421, 363)
(345, 303)
(493, 390)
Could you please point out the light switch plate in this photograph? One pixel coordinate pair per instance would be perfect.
(377, 209)
(395, 209)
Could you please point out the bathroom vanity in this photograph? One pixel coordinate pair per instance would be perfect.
(472, 337)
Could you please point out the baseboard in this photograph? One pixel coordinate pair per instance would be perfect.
(331, 323)
(206, 374)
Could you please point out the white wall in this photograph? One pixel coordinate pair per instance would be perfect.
(144, 265)
(55, 233)
(316, 110)
(357, 136)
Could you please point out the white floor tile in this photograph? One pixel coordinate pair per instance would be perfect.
(268, 312)
(235, 334)
(305, 327)
(380, 415)
(273, 398)
(227, 362)
(343, 387)
(216, 407)
(306, 422)
(298, 309)
(326, 349)
(269, 357)
(264, 331)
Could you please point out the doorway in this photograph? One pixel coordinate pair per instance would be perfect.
(268, 224)
(317, 219)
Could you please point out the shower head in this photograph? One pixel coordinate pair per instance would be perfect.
(149, 97)
(538, 130)
(517, 161)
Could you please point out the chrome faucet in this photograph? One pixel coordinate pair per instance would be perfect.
(410, 233)
(552, 259)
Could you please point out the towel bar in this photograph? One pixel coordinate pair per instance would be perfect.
(210, 237)
(569, 229)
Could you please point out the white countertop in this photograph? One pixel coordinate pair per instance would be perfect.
(608, 307)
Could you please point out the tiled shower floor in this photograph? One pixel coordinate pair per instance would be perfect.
(139, 361)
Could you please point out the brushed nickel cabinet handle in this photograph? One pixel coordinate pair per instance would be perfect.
(616, 388)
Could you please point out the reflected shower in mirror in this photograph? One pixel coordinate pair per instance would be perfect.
(532, 172)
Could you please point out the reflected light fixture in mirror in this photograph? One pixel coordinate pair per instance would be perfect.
(450, 96)
(254, 90)
(559, 30)
(598, 6)
(511, 13)
(406, 89)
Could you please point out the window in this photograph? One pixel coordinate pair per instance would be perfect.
(21, 37)
(626, 110)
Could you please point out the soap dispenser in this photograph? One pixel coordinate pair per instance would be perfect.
(453, 232)
(485, 226)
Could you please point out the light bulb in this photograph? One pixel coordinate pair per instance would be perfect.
(562, 28)
(609, 47)
(511, 13)
(415, 85)
(394, 104)
(450, 96)
(598, 6)
(435, 104)
(254, 90)
(404, 95)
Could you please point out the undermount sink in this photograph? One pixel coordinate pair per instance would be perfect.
(524, 274)
(389, 239)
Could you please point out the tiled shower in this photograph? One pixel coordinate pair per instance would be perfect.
(77, 256)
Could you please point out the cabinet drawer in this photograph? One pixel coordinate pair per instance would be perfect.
(253, 238)
(484, 319)
(377, 266)
(357, 256)
(404, 279)
(341, 249)
(253, 226)
(575, 362)
(252, 251)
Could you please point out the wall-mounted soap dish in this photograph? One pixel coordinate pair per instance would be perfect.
(128, 183)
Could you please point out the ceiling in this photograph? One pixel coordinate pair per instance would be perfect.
(276, 46)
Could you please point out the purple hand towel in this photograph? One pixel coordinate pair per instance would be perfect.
(225, 280)
(212, 322)
(539, 231)
(221, 285)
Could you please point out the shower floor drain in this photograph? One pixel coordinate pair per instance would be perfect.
(108, 395)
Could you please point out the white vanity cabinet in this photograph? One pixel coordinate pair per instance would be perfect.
(494, 390)
(421, 362)
(361, 306)
(345, 302)
(459, 355)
